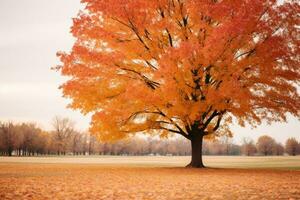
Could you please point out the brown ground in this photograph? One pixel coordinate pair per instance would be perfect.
(94, 181)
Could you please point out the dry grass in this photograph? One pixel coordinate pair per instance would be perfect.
(278, 162)
(137, 179)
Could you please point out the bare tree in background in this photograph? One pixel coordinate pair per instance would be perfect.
(8, 137)
(278, 149)
(63, 130)
(75, 141)
(291, 146)
(33, 141)
(92, 142)
(265, 145)
(226, 143)
(248, 147)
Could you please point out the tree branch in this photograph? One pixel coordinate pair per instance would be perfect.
(152, 84)
(212, 116)
(174, 123)
(170, 38)
(218, 122)
(134, 29)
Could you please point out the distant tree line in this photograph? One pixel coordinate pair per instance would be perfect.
(26, 139)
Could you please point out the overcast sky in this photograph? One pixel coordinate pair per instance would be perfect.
(31, 32)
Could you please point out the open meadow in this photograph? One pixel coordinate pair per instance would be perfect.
(149, 177)
(82, 78)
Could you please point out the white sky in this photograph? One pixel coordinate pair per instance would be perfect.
(31, 32)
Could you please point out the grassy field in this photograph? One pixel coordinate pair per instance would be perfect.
(108, 177)
(275, 162)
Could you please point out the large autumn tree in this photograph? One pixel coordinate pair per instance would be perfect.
(185, 67)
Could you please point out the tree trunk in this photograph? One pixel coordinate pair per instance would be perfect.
(10, 152)
(196, 143)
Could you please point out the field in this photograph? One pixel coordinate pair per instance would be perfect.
(108, 177)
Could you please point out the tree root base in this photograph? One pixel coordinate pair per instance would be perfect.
(191, 165)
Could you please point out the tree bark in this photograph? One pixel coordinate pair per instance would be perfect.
(10, 152)
(196, 144)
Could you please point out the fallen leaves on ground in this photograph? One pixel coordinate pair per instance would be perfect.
(85, 181)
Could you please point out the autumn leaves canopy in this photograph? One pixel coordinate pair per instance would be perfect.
(183, 66)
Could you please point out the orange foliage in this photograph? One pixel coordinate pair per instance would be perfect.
(186, 66)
